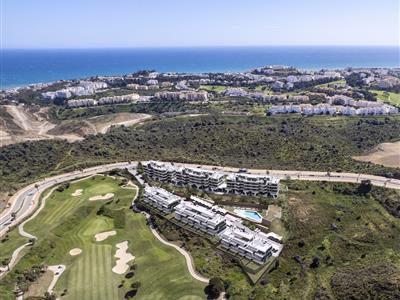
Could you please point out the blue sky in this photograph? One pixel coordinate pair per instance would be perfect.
(180, 23)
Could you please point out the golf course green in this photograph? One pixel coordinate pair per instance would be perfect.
(68, 222)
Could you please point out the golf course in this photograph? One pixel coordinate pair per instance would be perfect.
(65, 231)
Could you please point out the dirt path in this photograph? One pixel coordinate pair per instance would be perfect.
(103, 128)
(57, 270)
(19, 117)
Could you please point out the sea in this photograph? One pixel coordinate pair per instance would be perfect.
(22, 67)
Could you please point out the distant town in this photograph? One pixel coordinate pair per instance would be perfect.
(286, 90)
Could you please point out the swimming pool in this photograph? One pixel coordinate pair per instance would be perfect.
(249, 214)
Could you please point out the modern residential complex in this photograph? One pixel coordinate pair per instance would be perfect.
(159, 171)
(213, 181)
(202, 215)
(199, 178)
(252, 185)
(161, 199)
(211, 219)
(252, 244)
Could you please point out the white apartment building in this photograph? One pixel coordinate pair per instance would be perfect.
(83, 89)
(161, 199)
(103, 101)
(375, 108)
(214, 220)
(213, 181)
(201, 215)
(183, 95)
(199, 178)
(241, 240)
(252, 185)
(159, 171)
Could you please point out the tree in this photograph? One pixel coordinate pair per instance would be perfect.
(215, 287)
(315, 263)
(49, 296)
(364, 187)
(136, 285)
(139, 168)
(6, 262)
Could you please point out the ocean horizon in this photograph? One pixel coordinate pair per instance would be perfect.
(20, 67)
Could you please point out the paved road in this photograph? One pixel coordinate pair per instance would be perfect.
(24, 201)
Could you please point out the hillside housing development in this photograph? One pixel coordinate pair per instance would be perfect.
(328, 109)
(215, 221)
(84, 88)
(103, 101)
(213, 181)
(182, 95)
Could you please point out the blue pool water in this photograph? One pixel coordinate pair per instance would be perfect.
(22, 67)
(249, 214)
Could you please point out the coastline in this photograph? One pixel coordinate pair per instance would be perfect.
(22, 67)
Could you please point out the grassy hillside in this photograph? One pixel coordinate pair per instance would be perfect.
(318, 143)
(69, 222)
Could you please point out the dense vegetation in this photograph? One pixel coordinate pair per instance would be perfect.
(317, 143)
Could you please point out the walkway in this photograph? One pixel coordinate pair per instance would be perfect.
(189, 261)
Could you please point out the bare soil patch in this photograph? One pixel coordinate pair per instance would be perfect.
(300, 210)
(387, 154)
(39, 287)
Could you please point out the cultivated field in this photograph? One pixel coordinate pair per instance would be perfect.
(69, 222)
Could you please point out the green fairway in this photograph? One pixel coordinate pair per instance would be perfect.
(388, 97)
(214, 88)
(69, 222)
(324, 85)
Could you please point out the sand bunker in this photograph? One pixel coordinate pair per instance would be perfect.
(75, 251)
(387, 154)
(77, 192)
(121, 265)
(102, 197)
(103, 235)
(130, 186)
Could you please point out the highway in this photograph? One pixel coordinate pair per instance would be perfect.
(23, 202)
